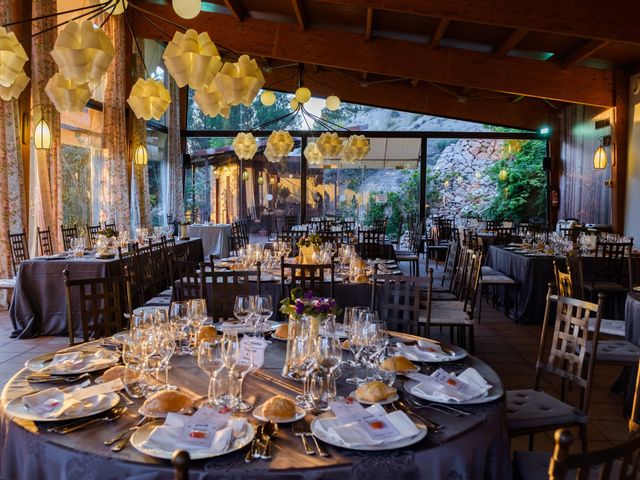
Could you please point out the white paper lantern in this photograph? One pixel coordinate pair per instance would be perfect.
(293, 104)
(83, 52)
(303, 95)
(271, 156)
(16, 88)
(149, 99)
(240, 82)
(66, 95)
(329, 144)
(280, 142)
(360, 146)
(332, 103)
(187, 8)
(348, 154)
(192, 59)
(312, 154)
(267, 98)
(140, 155)
(211, 102)
(12, 58)
(245, 146)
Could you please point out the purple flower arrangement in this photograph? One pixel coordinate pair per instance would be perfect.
(306, 303)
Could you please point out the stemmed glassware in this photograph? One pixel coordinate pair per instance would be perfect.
(165, 348)
(211, 361)
(262, 309)
(329, 356)
(197, 317)
(179, 318)
(242, 309)
(230, 357)
(305, 360)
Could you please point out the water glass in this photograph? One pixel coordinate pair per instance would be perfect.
(179, 319)
(211, 362)
(133, 380)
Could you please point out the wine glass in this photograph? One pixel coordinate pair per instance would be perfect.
(230, 357)
(262, 309)
(179, 318)
(242, 368)
(242, 308)
(165, 347)
(211, 362)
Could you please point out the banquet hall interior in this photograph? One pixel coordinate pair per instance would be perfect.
(319, 239)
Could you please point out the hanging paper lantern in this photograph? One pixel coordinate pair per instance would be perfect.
(15, 89)
(271, 156)
(260, 180)
(83, 52)
(211, 102)
(192, 59)
(267, 98)
(140, 155)
(293, 104)
(66, 95)
(332, 103)
(240, 82)
(312, 153)
(187, 9)
(360, 146)
(245, 146)
(280, 143)
(12, 58)
(303, 95)
(348, 154)
(120, 7)
(329, 144)
(149, 99)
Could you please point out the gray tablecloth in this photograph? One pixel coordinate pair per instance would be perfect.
(473, 447)
(39, 307)
(632, 318)
(533, 274)
(215, 238)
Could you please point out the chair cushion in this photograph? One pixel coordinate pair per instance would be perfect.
(449, 313)
(7, 283)
(533, 409)
(497, 279)
(485, 270)
(610, 327)
(165, 293)
(408, 257)
(617, 352)
(158, 302)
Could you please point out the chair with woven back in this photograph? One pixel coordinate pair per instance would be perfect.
(412, 254)
(502, 235)
(493, 224)
(154, 275)
(612, 272)
(380, 224)
(238, 238)
(67, 234)
(130, 266)
(221, 287)
(371, 244)
(92, 234)
(397, 300)
(101, 306)
(534, 411)
(44, 241)
(110, 226)
(326, 236)
(19, 249)
(307, 277)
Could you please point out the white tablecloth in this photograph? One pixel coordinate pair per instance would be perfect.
(215, 238)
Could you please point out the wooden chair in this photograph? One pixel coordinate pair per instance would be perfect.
(19, 249)
(130, 266)
(221, 287)
(533, 411)
(180, 461)
(67, 234)
(397, 301)
(336, 238)
(502, 235)
(238, 238)
(371, 244)
(92, 234)
(101, 309)
(380, 224)
(307, 277)
(612, 271)
(110, 226)
(44, 240)
(412, 255)
(493, 224)
(185, 280)
(154, 275)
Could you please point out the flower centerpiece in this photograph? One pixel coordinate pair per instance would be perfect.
(105, 241)
(297, 306)
(309, 246)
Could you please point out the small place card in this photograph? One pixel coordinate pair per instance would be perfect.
(378, 427)
(200, 429)
(450, 381)
(347, 409)
(101, 388)
(252, 351)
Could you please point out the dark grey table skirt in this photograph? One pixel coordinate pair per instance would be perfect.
(473, 447)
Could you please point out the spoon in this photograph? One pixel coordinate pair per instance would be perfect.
(269, 431)
(253, 449)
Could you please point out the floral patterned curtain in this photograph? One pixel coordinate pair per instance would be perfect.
(174, 154)
(114, 187)
(12, 202)
(45, 196)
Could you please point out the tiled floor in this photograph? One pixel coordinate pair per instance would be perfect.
(509, 348)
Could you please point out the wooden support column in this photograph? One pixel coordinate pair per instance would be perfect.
(303, 181)
(620, 148)
(423, 178)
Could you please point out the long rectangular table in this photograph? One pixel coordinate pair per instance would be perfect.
(216, 239)
(38, 306)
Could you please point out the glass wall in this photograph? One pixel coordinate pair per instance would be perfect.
(158, 175)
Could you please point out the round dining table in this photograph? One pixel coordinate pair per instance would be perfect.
(475, 446)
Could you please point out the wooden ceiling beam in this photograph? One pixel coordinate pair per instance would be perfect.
(439, 33)
(237, 10)
(369, 24)
(396, 58)
(425, 99)
(301, 14)
(617, 21)
(510, 43)
(582, 53)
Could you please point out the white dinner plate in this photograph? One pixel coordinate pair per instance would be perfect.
(300, 414)
(106, 401)
(36, 364)
(454, 353)
(366, 402)
(147, 413)
(140, 436)
(494, 393)
(121, 337)
(323, 435)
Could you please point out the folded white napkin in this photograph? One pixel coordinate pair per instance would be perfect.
(427, 352)
(53, 402)
(75, 361)
(353, 435)
(62, 361)
(447, 387)
(167, 437)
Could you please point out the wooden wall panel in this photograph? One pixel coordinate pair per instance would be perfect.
(583, 193)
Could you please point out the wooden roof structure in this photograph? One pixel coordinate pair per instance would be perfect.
(503, 62)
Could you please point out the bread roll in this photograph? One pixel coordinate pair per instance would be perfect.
(112, 374)
(375, 391)
(167, 401)
(398, 363)
(282, 331)
(278, 408)
(207, 333)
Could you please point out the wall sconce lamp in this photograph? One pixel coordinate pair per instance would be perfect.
(600, 156)
(140, 155)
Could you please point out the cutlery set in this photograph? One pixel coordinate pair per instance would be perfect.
(46, 378)
(261, 445)
(109, 416)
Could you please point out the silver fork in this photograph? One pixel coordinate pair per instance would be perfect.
(307, 432)
(446, 409)
(298, 431)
